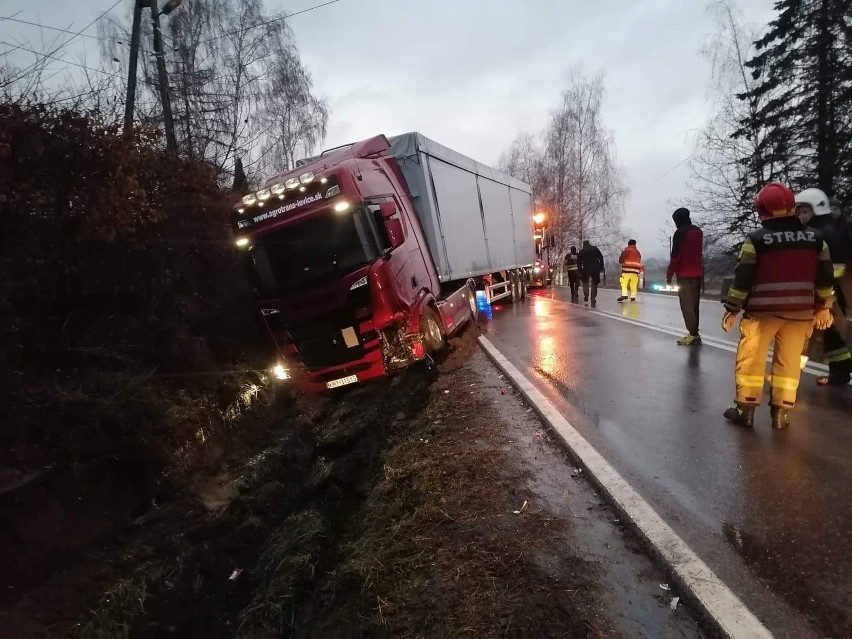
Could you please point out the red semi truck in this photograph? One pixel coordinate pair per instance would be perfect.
(365, 258)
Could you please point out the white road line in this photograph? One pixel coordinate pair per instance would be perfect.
(812, 368)
(715, 599)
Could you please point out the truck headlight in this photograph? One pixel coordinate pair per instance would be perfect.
(280, 372)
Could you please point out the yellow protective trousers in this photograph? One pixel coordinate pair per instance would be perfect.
(757, 332)
(629, 283)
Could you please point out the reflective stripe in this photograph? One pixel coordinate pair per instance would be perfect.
(785, 383)
(737, 293)
(839, 270)
(750, 381)
(837, 355)
(784, 286)
(825, 293)
(748, 247)
(780, 301)
(571, 268)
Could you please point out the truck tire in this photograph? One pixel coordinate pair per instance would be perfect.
(516, 287)
(430, 331)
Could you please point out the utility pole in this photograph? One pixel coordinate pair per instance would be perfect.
(130, 100)
(168, 122)
(163, 81)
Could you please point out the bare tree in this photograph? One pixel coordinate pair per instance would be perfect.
(572, 170)
(231, 69)
(728, 158)
(296, 119)
(584, 183)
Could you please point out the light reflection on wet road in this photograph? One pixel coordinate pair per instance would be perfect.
(770, 512)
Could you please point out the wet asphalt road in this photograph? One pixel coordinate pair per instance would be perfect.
(769, 512)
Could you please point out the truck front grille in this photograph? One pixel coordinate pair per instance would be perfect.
(320, 341)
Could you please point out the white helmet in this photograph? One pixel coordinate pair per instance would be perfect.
(817, 200)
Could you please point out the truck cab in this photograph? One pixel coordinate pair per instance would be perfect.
(341, 270)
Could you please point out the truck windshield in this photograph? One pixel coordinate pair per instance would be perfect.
(318, 249)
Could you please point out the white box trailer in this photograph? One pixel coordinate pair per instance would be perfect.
(476, 219)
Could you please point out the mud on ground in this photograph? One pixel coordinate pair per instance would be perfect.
(428, 505)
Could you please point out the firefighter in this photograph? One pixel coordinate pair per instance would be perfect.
(631, 267)
(783, 282)
(814, 208)
(572, 270)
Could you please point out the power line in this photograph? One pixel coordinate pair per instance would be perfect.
(270, 21)
(58, 30)
(61, 46)
(82, 66)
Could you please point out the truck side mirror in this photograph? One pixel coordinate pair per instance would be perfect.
(392, 223)
(387, 209)
(393, 227)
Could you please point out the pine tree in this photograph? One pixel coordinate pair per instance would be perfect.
(803, 74)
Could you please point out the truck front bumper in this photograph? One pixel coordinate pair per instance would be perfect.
(368, 367)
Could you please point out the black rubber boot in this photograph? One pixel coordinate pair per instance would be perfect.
(780, 417)
(621, 299)
(741, 415)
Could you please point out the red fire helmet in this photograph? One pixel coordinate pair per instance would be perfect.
(775, 200)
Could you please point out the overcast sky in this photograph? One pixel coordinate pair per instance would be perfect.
(472, 74)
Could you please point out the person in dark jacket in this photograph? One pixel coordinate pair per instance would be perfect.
(687, 264)
(572, 270)
(591, 263)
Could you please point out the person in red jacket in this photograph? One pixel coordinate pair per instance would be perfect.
(631, 268)
(687, 263)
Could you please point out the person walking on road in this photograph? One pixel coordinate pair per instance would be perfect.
(783, 281)
(591, 264)
(631, 267)
(572, 267)
(816, 210)
(687, 263)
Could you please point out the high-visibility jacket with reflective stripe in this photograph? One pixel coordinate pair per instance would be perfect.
(631, 260)
(571, 262)
(783, 266)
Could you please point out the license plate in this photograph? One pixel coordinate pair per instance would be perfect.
(337, 383)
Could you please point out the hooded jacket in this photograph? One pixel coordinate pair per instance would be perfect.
(591, 261)
(687, 248)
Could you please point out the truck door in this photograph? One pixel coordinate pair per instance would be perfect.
(402, 272)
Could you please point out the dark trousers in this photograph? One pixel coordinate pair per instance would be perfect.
(689, 291)
(594, 279)
(574, 283)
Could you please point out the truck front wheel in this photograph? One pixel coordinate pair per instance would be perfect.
(430, 331)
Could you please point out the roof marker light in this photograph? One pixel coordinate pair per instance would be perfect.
(277, 189)
(263, 194)
(292, 183)
(249, 199)
(306, 178)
